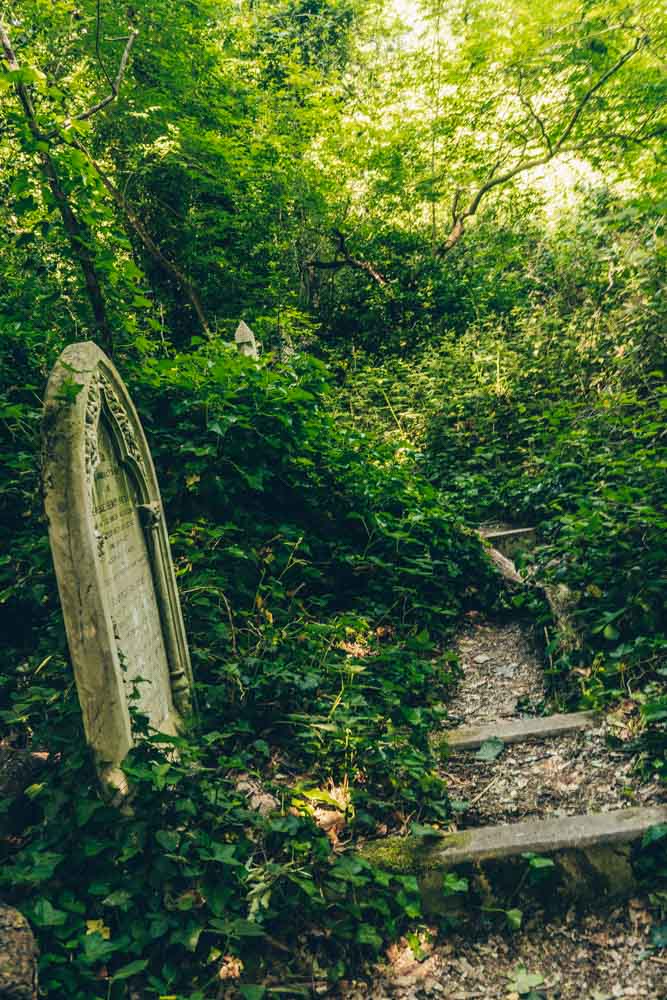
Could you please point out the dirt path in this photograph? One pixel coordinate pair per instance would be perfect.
(575, 957)
(573, 774)
(581, 955)
(502, 675)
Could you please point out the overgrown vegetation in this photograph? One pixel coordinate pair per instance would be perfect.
(443, 344)
(553, 415)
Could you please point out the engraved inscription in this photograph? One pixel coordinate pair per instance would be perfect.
(128, 582)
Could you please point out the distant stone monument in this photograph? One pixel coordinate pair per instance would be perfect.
(112, 559)
(245, 341)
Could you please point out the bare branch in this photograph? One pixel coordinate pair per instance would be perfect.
(147, 240)
(115, 90)
(554, 148)
(347, 261)
(528, 105)
(26, 100)
(576, 114)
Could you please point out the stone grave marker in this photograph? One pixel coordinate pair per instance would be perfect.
(245, 341)
(112, 559)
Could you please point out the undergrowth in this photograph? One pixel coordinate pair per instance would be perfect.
(319, 579)
(553, 415)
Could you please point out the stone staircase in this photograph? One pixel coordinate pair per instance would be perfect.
(591, 853)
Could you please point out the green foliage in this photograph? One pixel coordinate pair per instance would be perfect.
(552, 414)
(301, 163)
(188, 876)
(317, 574)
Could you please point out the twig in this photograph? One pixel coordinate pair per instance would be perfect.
(484, 791)
(392, 411)
(348, 261)
(452, 777)
(546, 636)
(231, 622)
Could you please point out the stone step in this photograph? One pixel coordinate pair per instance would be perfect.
(495, 533)
(517, 730)
(590, 851)
(486, 843)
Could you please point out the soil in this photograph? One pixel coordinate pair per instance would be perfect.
(592, 956)
(563, 776)
(502, 674)
(566, 776)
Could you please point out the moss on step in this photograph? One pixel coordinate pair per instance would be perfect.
(412, 855)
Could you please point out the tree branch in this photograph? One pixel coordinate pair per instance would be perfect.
(528, 105)
(553, 149)
(77, 231)
(576, 114)
(115, 90)
(347, 261)
(149, 243)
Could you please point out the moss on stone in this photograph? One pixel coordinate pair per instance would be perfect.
(411, 855)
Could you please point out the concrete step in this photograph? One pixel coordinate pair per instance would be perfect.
(517, 730)
(408, 854)
(590, 853)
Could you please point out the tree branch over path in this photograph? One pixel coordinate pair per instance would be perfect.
(553, 148)
(347, 261)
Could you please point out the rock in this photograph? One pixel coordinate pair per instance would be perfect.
(563, 603)
(18, 768)
(258, 799)
(18, 957)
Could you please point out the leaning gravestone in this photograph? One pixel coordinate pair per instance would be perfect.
(111, 554)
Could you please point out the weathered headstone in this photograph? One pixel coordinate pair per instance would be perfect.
(112, 559)
(245, 341)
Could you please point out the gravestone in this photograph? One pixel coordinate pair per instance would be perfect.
(245, 341)
(112, 559)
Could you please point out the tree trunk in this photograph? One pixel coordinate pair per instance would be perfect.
(79, 240)
(78, 234)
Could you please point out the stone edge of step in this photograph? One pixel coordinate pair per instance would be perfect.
(516, 730)
(410, 855)
(508, 533)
